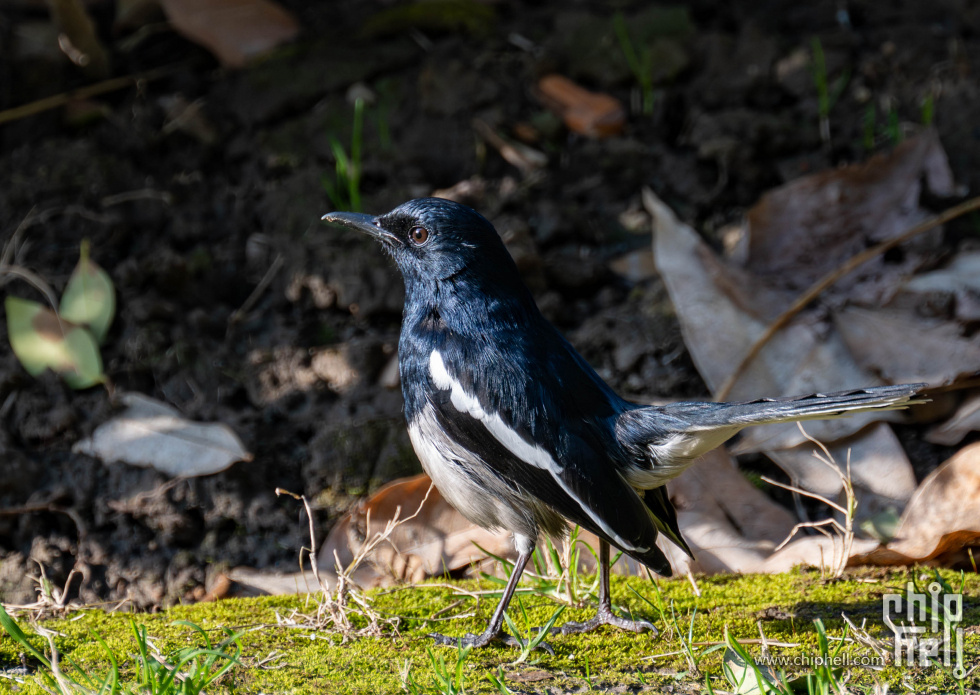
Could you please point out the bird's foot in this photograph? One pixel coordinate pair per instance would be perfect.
(469, 640)
(604, 616)
(483, 639)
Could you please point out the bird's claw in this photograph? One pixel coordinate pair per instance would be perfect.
(469, 640)
(542, 645)
(604, 616)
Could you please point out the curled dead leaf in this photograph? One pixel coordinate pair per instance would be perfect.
(587, 113)
(942, 519)
(151, 434)
(234, 30)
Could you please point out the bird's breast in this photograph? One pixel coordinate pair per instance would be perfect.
(465, 480)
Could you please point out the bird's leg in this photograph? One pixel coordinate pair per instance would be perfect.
(605, 615)
(493, 629)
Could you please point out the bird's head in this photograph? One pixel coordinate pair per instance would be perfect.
(435, 240)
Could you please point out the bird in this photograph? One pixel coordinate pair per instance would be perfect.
(516, 429)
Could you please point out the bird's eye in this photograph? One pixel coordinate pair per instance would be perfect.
(418, 235)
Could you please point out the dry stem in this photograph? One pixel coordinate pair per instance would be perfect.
(335, 608)
(845, 531)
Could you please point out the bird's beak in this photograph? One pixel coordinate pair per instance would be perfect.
(362, 223)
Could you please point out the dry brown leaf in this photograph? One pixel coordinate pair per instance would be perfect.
(712, 499)
(256, 582)
(956, 286)
(948, 500)
(523, 157)
(151, 434)
(717, 546)
(965, 420)
(635, 266)
(439, 539)
(730, 525)
(715, 482)
(799, 232)
(905, 348)
(822, 363)
(943, 518)
(588, 113)
(234, 30)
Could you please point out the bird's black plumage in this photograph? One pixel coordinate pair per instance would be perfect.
(513, 425)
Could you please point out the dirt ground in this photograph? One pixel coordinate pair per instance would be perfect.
(306, 377)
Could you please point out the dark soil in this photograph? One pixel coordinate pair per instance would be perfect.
(735, 113)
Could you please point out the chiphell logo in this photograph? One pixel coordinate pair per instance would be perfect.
(926, 627)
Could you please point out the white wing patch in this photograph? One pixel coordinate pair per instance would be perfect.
(531, 454)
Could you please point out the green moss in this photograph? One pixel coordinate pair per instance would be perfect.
(281, 659)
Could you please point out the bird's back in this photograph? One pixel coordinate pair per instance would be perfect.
(525, 415)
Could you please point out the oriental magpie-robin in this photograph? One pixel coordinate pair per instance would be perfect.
(518, 431)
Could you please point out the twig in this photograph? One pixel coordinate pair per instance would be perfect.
(311, 551)
(846, 530)
(881, 648)
(48, 600)
(140, 498)
(33, 279)
(830, 279)
(53, 102)
(64, 685)
(47, 507)
(272, 656)
(801, 491)
(445, 609)
(65, 210)
(694, 582)
(526, 159)
(263, 285)
(762, 639)
(8, 405)
(8, 248)
(334, 607)
(139, 194)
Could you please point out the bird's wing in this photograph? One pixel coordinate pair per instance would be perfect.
(535, 453)
(665, 516)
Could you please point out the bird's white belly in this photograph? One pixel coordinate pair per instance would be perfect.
(456, 472)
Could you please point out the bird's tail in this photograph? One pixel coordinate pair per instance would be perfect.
(662, 441)
(817, 406)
